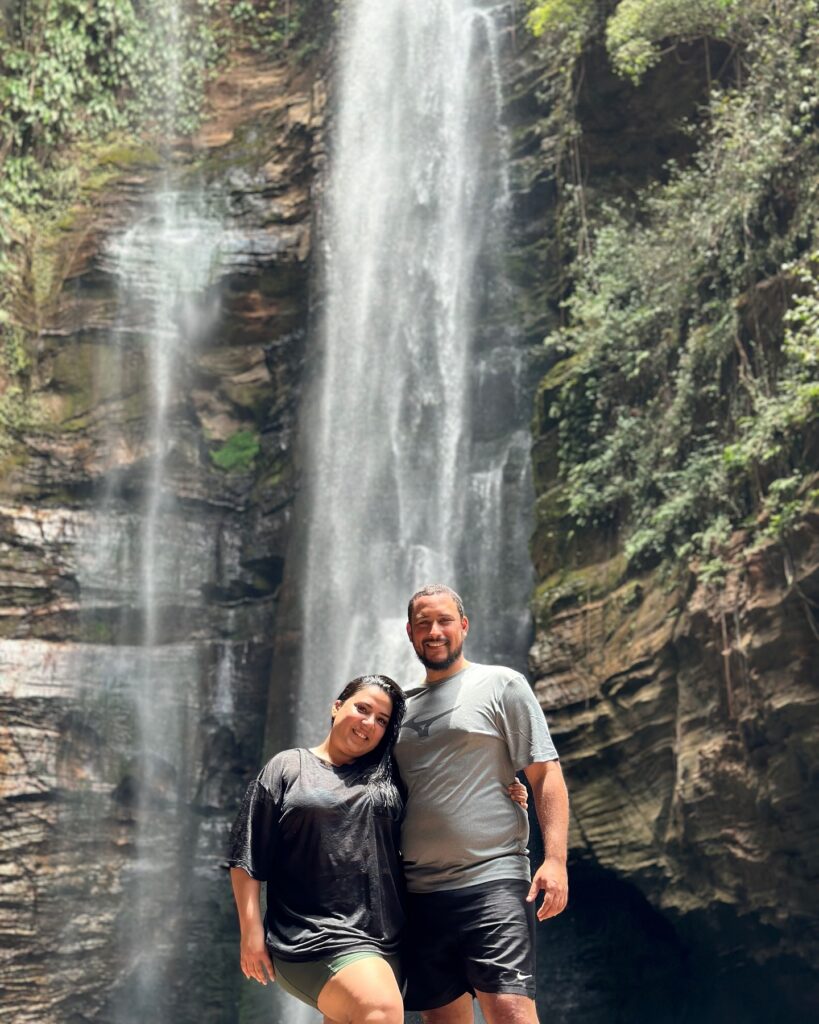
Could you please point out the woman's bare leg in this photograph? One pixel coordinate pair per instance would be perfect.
(363, 992)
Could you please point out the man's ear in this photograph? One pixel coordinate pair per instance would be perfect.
(409, 632)
(465, 624)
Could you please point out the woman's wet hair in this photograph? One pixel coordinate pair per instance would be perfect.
(384, 775)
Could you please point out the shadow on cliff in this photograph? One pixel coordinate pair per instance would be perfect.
(612, 958)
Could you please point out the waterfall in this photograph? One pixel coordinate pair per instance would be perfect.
(145, 565)
(417, 454)
(416, 448)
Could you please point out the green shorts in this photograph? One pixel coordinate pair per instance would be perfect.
(305, 979)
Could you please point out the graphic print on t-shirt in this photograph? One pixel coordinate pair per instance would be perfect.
(464, 739)
(421, 726)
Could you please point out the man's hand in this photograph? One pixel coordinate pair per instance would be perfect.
(552, 880)
(255, 959)
(552, 807)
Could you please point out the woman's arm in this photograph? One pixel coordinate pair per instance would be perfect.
(519, 794)
(255, 959)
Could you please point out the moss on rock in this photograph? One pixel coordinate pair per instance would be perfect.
(238, 452)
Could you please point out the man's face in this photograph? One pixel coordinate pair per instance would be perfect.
(437, 631)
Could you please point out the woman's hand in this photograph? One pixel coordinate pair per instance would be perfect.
(255, 959)
(519, 793)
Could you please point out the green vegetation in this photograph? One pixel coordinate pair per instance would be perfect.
(691, 312)
(71, 69)
(238, 452)
(639, 32)
(269, 26)
(76, 69)
(72, 74)
(89, 88)
(15, 367)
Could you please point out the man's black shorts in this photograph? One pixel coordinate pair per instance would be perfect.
(462, 940)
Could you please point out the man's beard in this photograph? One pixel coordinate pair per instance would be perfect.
(437, 666)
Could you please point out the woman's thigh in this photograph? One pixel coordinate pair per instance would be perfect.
(364, 992)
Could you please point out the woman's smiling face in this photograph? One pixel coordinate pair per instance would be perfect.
(359, 723)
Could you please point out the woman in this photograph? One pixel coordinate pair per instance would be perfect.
(322, 827)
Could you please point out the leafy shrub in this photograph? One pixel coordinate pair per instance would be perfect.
(637, 28)
(238, 452)
(76, 71)
(692, 312)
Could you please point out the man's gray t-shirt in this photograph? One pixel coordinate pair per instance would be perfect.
(461, 743)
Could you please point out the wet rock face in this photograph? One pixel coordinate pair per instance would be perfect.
(689, 730)
(90, 823)
(686, 718)
(685, 715)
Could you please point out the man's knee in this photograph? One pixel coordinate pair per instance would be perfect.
(457, 1012)
(506, 1008)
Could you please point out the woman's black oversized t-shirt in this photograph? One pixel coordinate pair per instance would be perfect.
(327, 845)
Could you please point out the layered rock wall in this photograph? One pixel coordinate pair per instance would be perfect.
(76, 796)
(686, 711)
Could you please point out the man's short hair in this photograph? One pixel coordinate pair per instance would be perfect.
(429, 591)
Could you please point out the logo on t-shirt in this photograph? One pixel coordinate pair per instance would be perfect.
(422, 725)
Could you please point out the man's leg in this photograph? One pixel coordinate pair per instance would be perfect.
(459, 1011)
(498, 945)
(504, 1008)
(436, 985)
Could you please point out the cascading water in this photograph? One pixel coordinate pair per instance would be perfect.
(417, 466)
(417, 460)
(177, 584)
(164, 264)
(173, 593)
(164, 677)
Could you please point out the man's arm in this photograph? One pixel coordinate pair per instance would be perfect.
(255, 959)
(551, 802)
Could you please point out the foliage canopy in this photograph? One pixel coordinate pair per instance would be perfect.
(75, 73)
(692, 311)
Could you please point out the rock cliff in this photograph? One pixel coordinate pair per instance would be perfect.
(75, 794)
(686, 713)
(685, 710)
(687, 718)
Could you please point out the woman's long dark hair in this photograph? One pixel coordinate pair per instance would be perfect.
(384, 772)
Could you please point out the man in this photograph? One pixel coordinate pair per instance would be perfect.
(471, 906)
